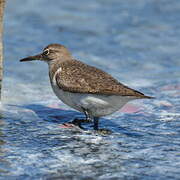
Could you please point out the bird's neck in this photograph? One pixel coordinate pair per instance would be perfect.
(54, 65)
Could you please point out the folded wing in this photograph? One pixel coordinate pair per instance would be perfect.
(78, 77)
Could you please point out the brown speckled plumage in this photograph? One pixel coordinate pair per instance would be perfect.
(77, 77)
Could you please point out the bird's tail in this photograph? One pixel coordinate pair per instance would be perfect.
(148, 97)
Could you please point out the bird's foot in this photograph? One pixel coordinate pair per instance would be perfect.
(104, 131)
(79, 121)
(75, 123)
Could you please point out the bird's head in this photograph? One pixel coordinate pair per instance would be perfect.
(50, 53)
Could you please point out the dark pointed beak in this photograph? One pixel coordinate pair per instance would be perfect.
(32, 58)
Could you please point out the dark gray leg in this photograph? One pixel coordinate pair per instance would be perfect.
(88, 117)
(100, 131)
(79, 121)
(96, 123)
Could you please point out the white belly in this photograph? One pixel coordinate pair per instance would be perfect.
(97, 105)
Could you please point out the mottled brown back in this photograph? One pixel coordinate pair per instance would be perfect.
(78, 77)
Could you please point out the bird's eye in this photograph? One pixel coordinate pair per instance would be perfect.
(46, 52)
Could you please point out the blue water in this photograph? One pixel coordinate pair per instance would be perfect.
(138, 42)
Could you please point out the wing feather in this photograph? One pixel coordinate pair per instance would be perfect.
(78, 77)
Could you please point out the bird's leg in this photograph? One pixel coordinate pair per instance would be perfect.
(79, 121)
(96, 123)
(100, 131)
(88, 117)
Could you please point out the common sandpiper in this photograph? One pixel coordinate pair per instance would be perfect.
(83, 87)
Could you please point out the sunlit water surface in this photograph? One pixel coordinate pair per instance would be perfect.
(135, 41)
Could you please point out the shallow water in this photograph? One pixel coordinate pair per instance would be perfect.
(138, 43)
